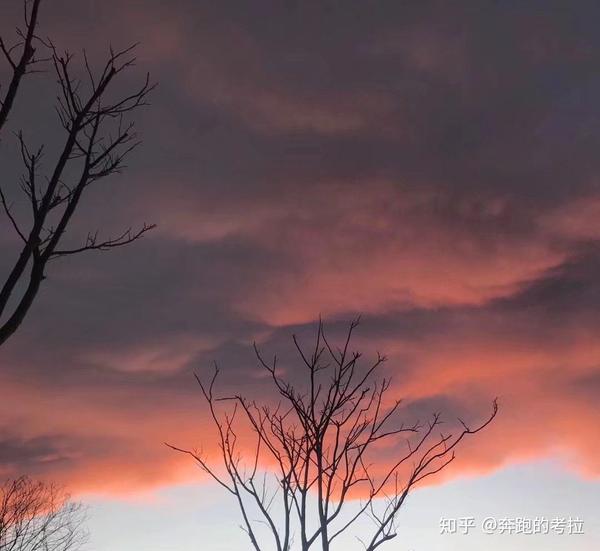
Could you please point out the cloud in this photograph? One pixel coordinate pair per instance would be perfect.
(26, 455)
(382, 247)
(413, 165)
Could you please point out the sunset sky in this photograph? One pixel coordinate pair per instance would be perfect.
(433, 166)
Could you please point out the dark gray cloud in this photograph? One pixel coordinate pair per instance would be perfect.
(431, 164)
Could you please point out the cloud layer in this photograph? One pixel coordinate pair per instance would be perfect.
(431, 166)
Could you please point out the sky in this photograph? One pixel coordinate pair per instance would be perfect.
(429, 165)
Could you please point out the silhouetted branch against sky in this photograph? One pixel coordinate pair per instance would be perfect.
(38, 516)
(97, 137)
(321, 438)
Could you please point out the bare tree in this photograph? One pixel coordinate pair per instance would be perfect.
(325, 441)
(35, 516)
(97, 139)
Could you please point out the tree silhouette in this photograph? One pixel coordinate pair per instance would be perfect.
(97, 139)
(323, 443)
(35, 516)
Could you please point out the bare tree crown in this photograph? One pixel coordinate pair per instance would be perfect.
(325, 440)
(97, 139)
(36, 516)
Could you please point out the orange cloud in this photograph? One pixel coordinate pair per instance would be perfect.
(415, 173)
(373, 248)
